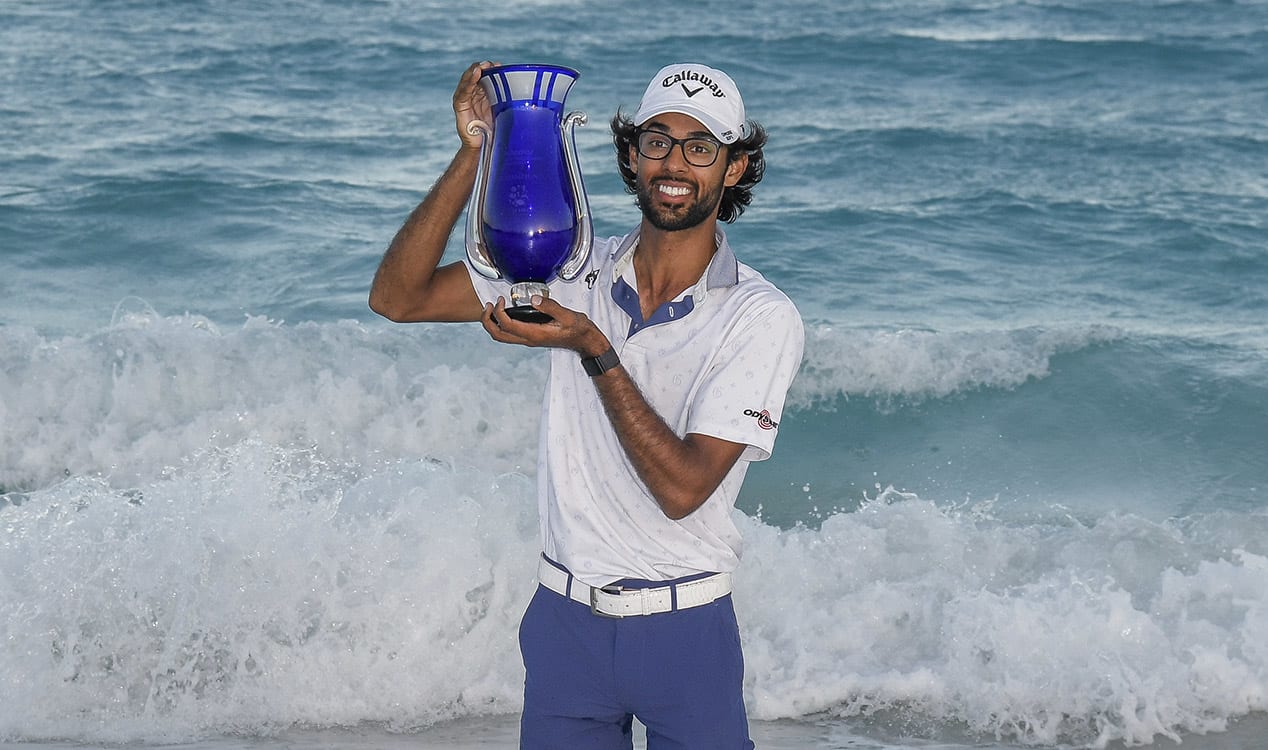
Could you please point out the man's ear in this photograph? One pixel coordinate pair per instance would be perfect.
(735, 169)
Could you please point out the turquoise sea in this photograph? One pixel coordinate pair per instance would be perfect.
(1020, 498)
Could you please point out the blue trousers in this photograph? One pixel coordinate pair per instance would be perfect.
(681, 673)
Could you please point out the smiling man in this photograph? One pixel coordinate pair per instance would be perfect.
(670, 363)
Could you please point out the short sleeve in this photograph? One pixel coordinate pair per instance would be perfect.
(741, 399)
(488, 290)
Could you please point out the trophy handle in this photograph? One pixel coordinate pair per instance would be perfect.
(476, 252)
(581, 243)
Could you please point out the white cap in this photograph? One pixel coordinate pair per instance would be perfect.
(699, 91)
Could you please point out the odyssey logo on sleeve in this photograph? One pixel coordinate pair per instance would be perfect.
(763, 418)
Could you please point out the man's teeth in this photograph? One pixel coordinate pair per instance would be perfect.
(669, 190)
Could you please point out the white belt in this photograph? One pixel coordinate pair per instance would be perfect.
(614, 601)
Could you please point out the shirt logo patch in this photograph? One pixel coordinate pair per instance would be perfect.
(763, 418)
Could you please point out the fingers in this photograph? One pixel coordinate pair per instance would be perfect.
(502, 327)
(470, 103)
(468, 84)
(473, 72)
(492, 322)
(550, 307)
(567, 329)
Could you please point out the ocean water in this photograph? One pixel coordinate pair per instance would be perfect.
(1020, 497)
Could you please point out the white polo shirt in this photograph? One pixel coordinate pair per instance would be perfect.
(718, 360)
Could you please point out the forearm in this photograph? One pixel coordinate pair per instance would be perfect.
(680, 473)
(407, 285)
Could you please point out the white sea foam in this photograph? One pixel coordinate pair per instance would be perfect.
(141, 395)
(211, 531)
(1121, 630)
(129, 400)
(1012, 33)
(259, 587)
(920, 364)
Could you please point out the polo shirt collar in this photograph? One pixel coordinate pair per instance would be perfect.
(723, 270)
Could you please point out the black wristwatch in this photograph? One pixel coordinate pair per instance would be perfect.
(600, 364)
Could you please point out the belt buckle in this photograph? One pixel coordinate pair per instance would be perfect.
(594, 600)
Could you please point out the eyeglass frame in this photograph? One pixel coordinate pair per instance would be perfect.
(681, 143)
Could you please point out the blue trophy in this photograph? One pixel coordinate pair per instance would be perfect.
(529, 220)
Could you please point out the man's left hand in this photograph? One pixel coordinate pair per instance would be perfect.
(568, 329)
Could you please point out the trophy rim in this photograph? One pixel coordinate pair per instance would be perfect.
(531, 67)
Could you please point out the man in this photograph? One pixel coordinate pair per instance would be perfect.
(669, 366)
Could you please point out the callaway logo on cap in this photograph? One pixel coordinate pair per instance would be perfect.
(698, 91)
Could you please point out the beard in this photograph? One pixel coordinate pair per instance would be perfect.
(678, 218)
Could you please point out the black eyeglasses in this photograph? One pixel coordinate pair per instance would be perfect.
(699, 152)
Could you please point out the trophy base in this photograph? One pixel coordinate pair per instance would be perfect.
(521, 309)
(526, 314)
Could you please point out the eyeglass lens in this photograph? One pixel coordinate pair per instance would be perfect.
(699, 152)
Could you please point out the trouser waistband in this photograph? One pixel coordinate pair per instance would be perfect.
(615, 601)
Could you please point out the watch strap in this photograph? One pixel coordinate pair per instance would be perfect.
(598, 365)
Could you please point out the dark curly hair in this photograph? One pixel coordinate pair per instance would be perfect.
(734, 198)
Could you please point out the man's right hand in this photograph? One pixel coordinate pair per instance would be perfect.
(470, 103)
